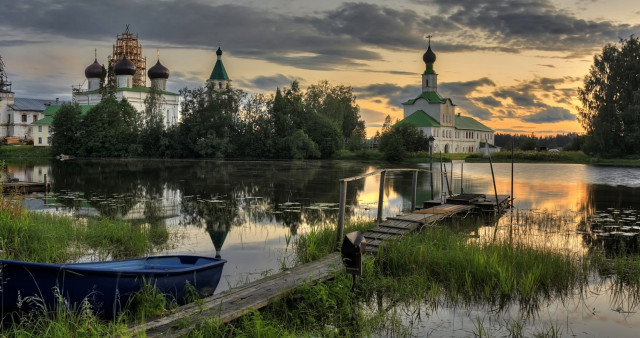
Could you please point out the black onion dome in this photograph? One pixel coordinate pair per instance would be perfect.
(219, 51)
(429, 56)
(124, 67)
(94, 70)
(158, 71)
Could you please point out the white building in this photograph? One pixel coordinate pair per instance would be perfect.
(17, 114)
(124, 71)
(436, 117)
(129, 77)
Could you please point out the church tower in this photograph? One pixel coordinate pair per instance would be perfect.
(219, 78)
(429, 77)
(93, 73)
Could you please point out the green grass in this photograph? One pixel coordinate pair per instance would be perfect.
(24, 152)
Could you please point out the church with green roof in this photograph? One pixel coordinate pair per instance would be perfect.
(437, 118)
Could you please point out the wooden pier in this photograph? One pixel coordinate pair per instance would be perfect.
(236, 302)
(25, 187)
(233, 303)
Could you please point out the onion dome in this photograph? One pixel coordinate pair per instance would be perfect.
(124, 67)
(94, 70)
(429, 56)
(219, 51)
(158, 71)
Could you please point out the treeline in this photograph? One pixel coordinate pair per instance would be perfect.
(570, 141)
(289, 124)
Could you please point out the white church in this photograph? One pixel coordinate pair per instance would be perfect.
(130, 75)
(437, 118)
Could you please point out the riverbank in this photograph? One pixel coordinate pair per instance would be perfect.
(31, 153)
(568, 157)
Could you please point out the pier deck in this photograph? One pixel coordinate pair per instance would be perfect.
(235, 302)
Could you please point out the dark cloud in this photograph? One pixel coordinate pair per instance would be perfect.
(18, 43)
(550, 115)
(392, 94)
(348, 36)
(268, 83)
(488, 101)
(528, 24)
(460, 92)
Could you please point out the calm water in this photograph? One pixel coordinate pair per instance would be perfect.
(244, 211)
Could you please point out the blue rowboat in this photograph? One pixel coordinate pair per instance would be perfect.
(107, 285)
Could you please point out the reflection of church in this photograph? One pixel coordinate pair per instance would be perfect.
(436, 117)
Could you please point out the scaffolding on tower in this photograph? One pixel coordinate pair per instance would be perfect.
(127, 44)
(5, 85)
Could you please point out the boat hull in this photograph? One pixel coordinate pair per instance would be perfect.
(107, 286)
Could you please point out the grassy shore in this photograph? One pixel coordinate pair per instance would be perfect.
(24, 152)
(519, 156)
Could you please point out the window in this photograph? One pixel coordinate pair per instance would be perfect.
(39, 140)
(24, 118)
(39, 129)
(35, 118)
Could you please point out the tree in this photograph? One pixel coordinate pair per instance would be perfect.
(152, 137)
(207, 124)
(110, 130)
(66, 130)
(610, 112)
(335, 102)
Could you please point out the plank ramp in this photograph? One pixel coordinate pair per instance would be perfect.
(393, 228)
(233, 303)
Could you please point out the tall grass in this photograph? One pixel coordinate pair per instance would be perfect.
(321, 240)
(464, 270)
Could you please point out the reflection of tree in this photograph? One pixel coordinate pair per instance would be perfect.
(248, 190)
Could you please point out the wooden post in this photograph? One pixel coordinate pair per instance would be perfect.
(343, 201)
(414, 188)
(46, 186)
(511, 207)
(495, 189)
(461, 177)
(431, 167)
(381, 196)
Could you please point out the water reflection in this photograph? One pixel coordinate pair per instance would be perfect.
(249, 207)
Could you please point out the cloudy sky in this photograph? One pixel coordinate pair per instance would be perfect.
(514, 65)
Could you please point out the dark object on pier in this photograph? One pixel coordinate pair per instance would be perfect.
(353, 247)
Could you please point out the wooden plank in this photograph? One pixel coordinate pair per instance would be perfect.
(410, 226)
(375, 235)
(233, 303)
(409, 217)
(389, 230)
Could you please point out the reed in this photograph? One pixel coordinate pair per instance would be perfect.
(496, 272)
(321, 240)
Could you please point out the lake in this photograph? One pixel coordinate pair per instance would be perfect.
(245, 211)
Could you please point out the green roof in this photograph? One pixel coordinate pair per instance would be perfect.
(45, 120)
(431, 97)
(50, 111)
(420, 119)
(219, 73)
(469, 123)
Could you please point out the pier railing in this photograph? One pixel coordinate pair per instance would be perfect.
(382, 173)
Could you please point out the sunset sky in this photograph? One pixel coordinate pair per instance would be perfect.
(514, 65)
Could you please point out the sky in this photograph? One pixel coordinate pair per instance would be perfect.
(514, 65)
